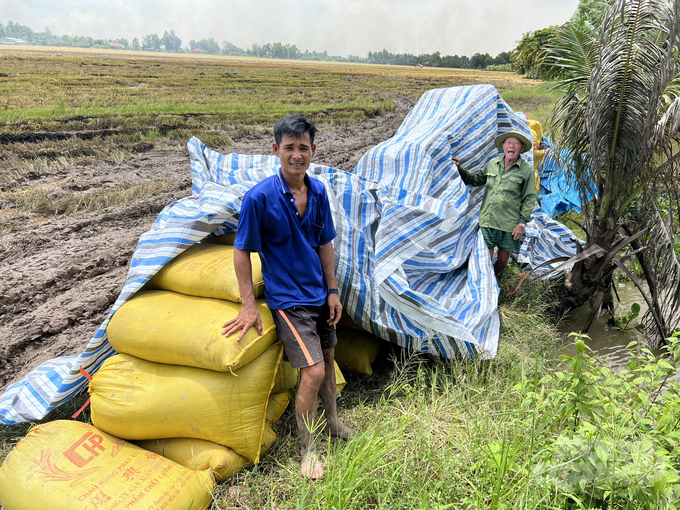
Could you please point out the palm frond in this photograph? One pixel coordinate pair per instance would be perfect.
(619, 120)
(572, 53)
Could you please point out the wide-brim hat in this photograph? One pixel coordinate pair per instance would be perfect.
(498, 142)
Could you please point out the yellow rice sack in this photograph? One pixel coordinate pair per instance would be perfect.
(221, 460)
(277, 405)
(137, 399)
(340, 382)
(287, 377)
(225, 239)
(62, 465)
(356, 350)
(206, 270)
(347, 322)
(166, 327)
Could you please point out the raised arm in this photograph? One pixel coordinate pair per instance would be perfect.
(248, 316)
(327, 258)
(470, 178)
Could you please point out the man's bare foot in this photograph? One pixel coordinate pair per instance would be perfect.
(310, 467)
(340, 430)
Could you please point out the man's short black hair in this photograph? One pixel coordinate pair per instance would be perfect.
(294, 125)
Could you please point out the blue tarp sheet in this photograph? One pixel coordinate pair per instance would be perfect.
(557, 194)
(411, 264)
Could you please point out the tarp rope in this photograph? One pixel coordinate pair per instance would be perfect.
(524, 277)
(84, 373)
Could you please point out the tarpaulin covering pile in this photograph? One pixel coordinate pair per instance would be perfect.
(411, 264)
(557, 194)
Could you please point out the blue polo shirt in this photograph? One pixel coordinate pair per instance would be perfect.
(270, 224)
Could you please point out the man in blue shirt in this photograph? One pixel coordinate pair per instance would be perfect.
(286, 218)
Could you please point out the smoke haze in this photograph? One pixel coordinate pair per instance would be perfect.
(341, 27)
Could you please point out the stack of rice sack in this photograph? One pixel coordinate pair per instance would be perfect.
(191, 399)
(178, 387)
(356, 349)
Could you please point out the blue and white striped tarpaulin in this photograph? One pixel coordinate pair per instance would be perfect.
(411, 265)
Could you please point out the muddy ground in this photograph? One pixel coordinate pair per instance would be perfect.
(61, 275)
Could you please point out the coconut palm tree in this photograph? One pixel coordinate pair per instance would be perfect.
(619, 119)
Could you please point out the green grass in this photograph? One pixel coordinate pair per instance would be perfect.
(43, 88)
(495, 434)
(536, 101)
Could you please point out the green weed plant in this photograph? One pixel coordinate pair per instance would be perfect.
(609, 438)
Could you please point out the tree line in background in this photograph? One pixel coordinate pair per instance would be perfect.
(170, 42)
(529, 57)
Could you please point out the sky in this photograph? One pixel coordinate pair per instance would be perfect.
(341, 27)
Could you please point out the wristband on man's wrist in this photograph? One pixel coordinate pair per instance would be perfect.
(332, 291)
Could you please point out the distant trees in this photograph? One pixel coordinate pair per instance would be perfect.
(18, 31)
(481, 61)
(231, 49)
(79, 41)
(207, 45)
(151, 42)
(276, 50)
(285, 51)
(592, 10)
(477, 61)
(171, 42)
(529, 55)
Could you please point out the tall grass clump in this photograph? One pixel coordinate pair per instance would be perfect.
(612, 435)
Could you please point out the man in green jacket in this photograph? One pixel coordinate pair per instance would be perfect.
(509, 196)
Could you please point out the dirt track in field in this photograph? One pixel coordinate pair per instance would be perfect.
(61, 275)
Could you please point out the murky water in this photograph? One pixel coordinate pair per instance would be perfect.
(606, 341)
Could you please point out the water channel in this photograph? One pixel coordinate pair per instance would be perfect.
(606, 341)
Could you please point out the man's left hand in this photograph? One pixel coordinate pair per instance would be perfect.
(335, 309)
(517, 232)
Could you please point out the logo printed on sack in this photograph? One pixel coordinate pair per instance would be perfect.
(89, 442)
(46, 468)
(100, 499)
